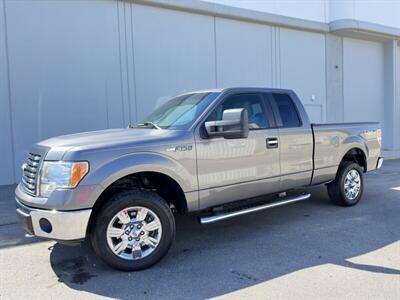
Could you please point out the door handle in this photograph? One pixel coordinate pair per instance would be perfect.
(272, 143)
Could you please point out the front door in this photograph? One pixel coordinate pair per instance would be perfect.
(234, 169)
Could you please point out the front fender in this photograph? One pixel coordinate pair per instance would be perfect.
(97, 180)
(128, 164)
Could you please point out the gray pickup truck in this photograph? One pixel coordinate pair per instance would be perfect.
(212, 152)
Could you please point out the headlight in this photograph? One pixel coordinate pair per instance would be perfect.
(60, 174)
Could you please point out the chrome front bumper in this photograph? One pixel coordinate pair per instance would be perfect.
(52, 224)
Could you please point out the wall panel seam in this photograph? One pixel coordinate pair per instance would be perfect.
(342, 76)
(396, 91)
(133, 65)
(120, 62)
(279, 69)
(342, 79)
(215, 52)
(325, 107)
(273, 56)
(9, 89)
(127, 65)
(276, 57)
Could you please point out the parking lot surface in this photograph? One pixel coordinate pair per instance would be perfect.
(306, 250)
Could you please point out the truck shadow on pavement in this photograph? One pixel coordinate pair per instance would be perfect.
(212, 260)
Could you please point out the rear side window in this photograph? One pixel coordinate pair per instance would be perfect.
(287, 110)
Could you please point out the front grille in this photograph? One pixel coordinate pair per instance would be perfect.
(30, 171)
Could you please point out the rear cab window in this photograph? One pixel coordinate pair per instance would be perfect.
(288, 115)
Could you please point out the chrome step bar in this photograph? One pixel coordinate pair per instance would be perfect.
(223, 215)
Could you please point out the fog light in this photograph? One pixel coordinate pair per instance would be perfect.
(45, 225)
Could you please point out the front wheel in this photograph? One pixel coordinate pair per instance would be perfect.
(348, 186)
(133, 231)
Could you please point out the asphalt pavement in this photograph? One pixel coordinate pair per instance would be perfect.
(305, 250)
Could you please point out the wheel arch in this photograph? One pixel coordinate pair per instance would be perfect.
(157, 182)
(357, 155)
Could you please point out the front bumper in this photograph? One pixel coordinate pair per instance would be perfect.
(52, 224)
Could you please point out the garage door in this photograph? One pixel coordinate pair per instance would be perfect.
(363, 63)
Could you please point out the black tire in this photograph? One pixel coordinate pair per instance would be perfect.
(336, 188)
(117, 203)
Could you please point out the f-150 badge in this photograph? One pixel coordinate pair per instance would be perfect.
(180, 148)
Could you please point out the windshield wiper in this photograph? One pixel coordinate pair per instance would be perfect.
(154, 125)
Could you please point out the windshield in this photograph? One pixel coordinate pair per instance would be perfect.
(179, 112)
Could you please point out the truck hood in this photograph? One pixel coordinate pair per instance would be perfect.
(106, 139)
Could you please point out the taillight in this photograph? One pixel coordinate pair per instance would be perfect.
(379, 136)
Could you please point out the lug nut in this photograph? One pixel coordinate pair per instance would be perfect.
(142, 232)
(139, 227)
(137, 240)
(127, 232)
(129, 239)
(132, 226)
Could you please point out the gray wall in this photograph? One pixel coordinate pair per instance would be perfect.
(71, 66)
(396, 102)
(6, 147)
(173, 52)
(392, 93)
(363, 80)
(244, 53)
(64, 72)
(302, 68)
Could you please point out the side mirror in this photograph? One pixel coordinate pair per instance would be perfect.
(234, 125)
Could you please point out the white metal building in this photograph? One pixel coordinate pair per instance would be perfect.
(70, 66)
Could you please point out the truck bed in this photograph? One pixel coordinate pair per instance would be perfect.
(333, 140)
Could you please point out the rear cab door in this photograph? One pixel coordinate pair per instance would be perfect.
(295, 139)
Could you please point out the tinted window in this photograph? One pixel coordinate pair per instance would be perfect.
(252, 102)
(287, 110)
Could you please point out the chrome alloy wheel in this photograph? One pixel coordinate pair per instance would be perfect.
(134, 233)
(352, 184)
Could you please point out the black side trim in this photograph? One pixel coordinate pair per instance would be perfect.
(25, 220)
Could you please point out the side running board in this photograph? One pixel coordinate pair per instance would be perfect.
(239, 211)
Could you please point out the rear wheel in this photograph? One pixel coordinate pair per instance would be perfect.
(348, 186)
(134, 230)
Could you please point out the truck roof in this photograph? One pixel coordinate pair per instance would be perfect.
(239, 89)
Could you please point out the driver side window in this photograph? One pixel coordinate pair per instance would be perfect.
(253, 103)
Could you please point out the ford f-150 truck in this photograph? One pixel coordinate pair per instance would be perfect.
(213, 152)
